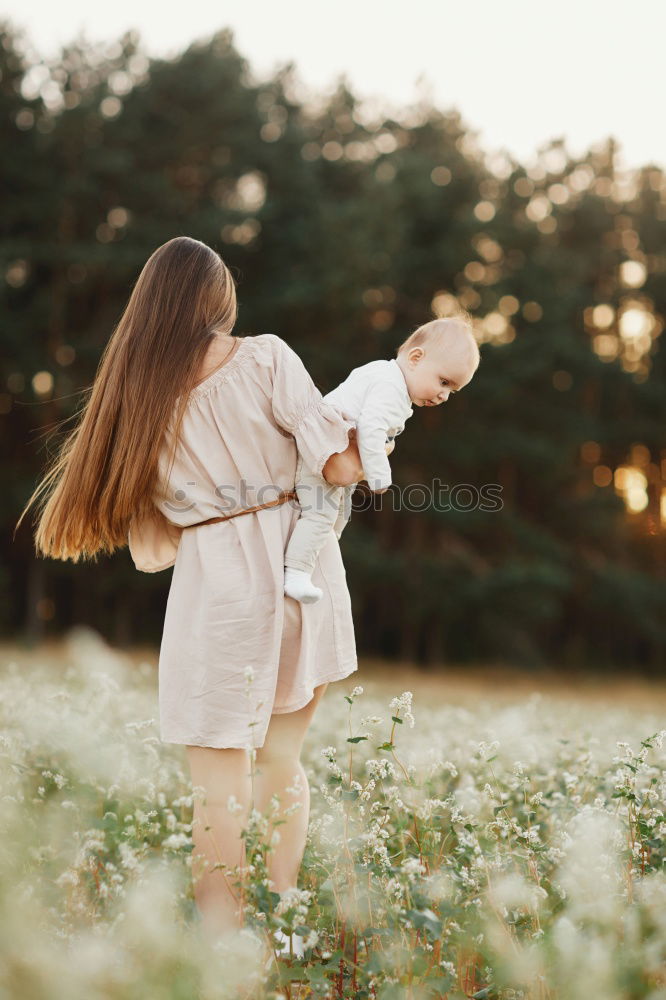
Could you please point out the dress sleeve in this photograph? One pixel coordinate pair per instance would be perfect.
(318, 427)
(153, 543)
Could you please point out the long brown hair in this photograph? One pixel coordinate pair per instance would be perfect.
(107, 468)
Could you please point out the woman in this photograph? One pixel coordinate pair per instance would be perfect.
(187, 424)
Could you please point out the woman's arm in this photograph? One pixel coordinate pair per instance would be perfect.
(344, 467)
(318, 428)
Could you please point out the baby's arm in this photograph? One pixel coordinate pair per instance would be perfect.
(381, 410)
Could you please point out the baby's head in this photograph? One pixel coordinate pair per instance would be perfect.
(438, 358)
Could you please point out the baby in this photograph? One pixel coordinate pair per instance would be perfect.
(437, 359)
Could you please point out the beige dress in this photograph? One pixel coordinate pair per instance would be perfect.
(226, 610)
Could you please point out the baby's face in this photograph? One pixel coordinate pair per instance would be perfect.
(432, 371)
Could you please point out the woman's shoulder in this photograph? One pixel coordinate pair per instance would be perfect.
(257, 348)
(267, 341)
(263, 354)
(267, 349)
(274, 348)
(271, 340)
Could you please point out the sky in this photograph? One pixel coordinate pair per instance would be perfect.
(520, 73)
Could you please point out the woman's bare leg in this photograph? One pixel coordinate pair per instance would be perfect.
(278, 766)
(216, 832)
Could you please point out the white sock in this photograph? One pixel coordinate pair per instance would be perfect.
(298, 584)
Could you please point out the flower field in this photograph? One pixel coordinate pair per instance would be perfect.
(500, 848)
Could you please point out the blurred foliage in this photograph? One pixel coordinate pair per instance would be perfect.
(345, 232)
(457, 847)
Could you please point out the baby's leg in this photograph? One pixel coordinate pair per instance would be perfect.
(347, 492)
(320, 503)
(344, 511)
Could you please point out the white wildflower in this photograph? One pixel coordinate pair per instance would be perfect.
(128, 856)
(381, 768)
(297, 784)
(311, 940)
(413, 866)
(176, 840)
(68, 877)
(403, 705)
(372, 720)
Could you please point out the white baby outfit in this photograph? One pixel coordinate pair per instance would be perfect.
(376, 398)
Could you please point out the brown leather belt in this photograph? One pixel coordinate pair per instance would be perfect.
(282, 498)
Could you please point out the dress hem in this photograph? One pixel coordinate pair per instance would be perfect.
(292, 707)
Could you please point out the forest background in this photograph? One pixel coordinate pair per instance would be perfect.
(344, 233)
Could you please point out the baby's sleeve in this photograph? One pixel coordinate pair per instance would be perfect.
(319, 429)
(381, 410)
(153, 544)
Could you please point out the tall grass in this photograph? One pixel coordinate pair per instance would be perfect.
(491, 851)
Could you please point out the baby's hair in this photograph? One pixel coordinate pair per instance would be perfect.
(459, 323)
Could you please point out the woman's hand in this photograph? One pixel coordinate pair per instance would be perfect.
(344, 467)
